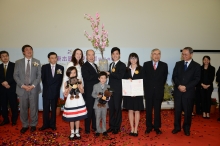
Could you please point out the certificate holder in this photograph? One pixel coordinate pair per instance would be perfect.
(132, 88)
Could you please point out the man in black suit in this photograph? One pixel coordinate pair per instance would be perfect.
(8, 89)
(186, 75)
(116, 73)
(154, 78)
(90, 78)
(52, 77)
(218, 80)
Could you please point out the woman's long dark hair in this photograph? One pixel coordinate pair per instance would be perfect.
(207, 58)
(129, 63)
(81, 62)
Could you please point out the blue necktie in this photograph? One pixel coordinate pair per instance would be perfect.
(185, 66)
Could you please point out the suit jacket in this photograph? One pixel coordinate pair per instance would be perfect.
(218, 76)
(9, 78)
(135, 76)
(19, 76)
(154, 80)
(115, 77)
(51, 85)
(96, 89)
(210, 77)
(90, 78)
(188, 78)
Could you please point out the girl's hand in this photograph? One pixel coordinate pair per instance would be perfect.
(130, 79)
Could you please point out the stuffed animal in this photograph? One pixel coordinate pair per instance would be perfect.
(105, 97)
(73, 84)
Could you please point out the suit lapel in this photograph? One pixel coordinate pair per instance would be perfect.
(190, 66)
(23, 66)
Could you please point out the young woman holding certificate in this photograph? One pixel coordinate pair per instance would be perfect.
(134, 104)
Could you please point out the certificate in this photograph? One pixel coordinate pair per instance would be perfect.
(132, 88)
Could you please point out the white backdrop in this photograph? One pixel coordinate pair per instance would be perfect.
(170, 56)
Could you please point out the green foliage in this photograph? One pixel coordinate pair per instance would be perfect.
(168, 92)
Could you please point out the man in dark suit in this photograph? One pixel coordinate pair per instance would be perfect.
(186, 75)
(154, 78)
(8, 89)
(218, 80)
(52, 77)
(90, 78)
(116, 72)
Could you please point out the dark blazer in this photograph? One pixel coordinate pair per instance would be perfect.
(115, 77)
(135, 76)
(51, 85)
(218, 76)
(90, 78)
(211, 75)
(188, 78)
(9, 77)
(154, 79)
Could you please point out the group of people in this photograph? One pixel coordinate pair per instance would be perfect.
(22, 79)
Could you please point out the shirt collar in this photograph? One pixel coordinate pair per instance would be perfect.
(52, 65)
(6, 63)
(28, 59)
(116, 62)
(188, 62)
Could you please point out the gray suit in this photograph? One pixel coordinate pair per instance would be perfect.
(28, 99)
(100, 112)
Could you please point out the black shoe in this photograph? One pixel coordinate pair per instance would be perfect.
(105, 133)
(158, 131)
(115, 131)
(53, 128)
(187, 133)
(109, 130)
(97, 134)
(174, 131)
(4, 123)
(23, 130)
(13, 123)
(131, 133)
(87, 132)
(148, 131)
(135, 134)
(71, 138)
(33, 128)
(43, 128)
(77, 135)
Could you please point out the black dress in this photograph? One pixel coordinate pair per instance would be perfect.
(133, 103)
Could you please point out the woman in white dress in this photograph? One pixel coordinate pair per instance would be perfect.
(77, 61)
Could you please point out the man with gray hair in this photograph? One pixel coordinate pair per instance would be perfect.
(186, 75)
(154, 78)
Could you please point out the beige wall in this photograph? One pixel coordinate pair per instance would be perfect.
(131, 23)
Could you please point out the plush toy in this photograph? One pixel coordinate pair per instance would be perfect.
(73, 84)
(105, 97)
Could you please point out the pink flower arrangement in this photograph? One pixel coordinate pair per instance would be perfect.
(99, 40)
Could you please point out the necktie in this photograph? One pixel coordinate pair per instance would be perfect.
(113, 65)
(93, 65)
(52, 70)
(5, 69)
(185, 66)
(27, 73)
(155, 66)
(102, 86)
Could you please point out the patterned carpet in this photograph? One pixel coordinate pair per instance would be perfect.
(204, 132)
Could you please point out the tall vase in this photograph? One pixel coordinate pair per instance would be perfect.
(212, 109)
(103, 65)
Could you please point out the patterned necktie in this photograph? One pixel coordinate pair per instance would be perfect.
(27, 73)
(113, 66)
(52, 70)
(185, 66)
(155, 65)
(5, 70)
